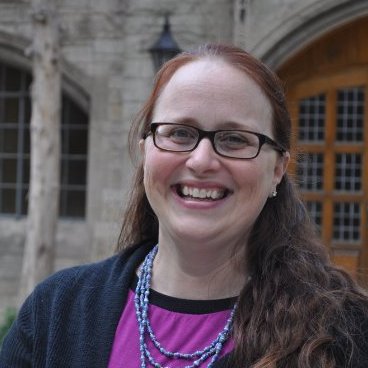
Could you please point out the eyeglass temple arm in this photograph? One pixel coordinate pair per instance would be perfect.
(274, 144)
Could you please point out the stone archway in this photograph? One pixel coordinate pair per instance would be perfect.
(278, 31)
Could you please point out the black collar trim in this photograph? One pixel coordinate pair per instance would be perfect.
(186, 305)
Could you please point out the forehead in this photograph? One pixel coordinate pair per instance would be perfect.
(212, 88)
(213, 71)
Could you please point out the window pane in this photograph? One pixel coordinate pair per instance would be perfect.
(11, 106)
(77, 141)
(348, 172)
(27, 110)
(7, 201)
(28, 79)
(2, 77)
(315, 211)
(64, 141)
(310, 171)
(76, 172)
(312, 119)
(12, 79)
(8, 140)
(9, 171)
(26, 168)
(74, 141)
(27, 140)
(350, 114)
(346, 222)
(72, 203)
(25, 198)
(73, 113)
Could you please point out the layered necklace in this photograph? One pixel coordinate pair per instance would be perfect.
(141, 301)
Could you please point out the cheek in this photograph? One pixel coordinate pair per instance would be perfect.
(256, 179)
(152, 185)
(150, 172)
(158, 170)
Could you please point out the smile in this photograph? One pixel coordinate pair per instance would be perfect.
(185, 191)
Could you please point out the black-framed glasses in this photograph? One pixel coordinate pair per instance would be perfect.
(239, 144)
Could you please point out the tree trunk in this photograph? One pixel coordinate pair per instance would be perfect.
(43, 208)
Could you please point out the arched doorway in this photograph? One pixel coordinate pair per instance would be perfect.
(327, 91)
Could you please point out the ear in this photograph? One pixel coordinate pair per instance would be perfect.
(281, 167)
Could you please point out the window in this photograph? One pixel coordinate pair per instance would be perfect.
(315, 211)
(312, 118)
(346, 222)
(350, 114)
(348, 172)
(310, 171)
(331, 170)
(15, 112)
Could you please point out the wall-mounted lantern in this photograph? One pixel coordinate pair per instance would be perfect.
(165, 47)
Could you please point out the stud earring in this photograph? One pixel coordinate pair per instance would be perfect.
(274, 193)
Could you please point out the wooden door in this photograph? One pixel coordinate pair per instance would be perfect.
(330, 121)
(327, 91)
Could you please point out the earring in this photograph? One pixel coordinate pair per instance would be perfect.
(274, 193)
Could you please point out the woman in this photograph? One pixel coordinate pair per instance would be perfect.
(218, 263)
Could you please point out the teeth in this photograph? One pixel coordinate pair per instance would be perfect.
(185, 191)
(215, 194)
(202, 193)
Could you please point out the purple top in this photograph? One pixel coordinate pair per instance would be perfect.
(179, 325)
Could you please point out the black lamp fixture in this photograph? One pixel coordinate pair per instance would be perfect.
(165, 48)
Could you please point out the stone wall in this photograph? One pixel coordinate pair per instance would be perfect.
(108, 70)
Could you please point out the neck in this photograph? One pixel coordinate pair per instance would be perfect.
(141, 301)
(198, 272)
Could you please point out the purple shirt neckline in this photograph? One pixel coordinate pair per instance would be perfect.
(179, 324)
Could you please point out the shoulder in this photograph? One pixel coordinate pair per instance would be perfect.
(78, 278)
(69, 294)
(88, 273)
(68, 306)
(90, 277)
(84, 287)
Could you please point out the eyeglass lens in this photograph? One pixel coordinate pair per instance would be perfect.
(229, 143)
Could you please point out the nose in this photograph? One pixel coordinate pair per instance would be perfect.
(203, 158)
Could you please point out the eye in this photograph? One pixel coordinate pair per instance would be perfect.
(178, 133)
(235, 139)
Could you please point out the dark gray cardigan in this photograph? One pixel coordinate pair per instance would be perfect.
(69, 321)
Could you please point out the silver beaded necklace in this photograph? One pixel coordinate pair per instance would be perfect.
(141, 301)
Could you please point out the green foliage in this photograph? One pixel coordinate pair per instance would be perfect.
(9, 317)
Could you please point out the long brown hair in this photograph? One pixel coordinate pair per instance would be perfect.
(297, 305)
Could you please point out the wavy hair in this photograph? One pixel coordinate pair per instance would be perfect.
(298, 310)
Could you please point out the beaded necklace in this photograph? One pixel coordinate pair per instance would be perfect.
(141, 301)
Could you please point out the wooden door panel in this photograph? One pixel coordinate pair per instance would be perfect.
(349, 260)
(337, 60)
(329, 115)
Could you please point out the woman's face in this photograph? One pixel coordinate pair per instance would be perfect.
(210, 94)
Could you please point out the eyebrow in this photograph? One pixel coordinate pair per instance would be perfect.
(226, 125)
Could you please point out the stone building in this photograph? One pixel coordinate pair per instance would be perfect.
(318, 48)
